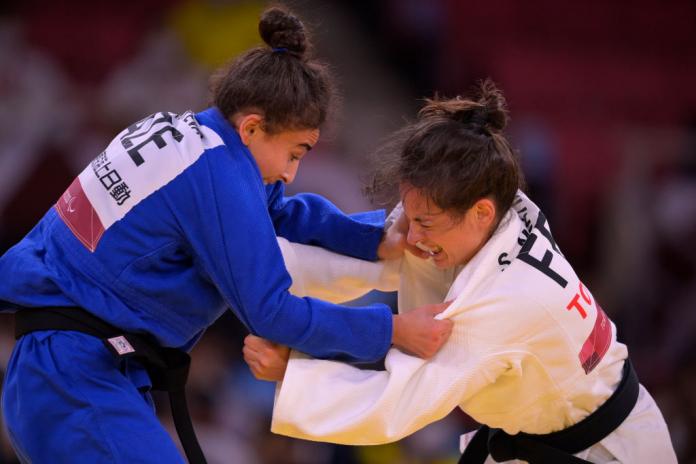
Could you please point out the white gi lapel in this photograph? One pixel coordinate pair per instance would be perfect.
(484, 264)
(499, 252)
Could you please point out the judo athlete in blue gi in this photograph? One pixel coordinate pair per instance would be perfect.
(174, 222)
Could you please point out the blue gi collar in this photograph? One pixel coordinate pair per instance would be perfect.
(213, 118)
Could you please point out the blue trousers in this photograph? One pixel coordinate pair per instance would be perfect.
(66, 399)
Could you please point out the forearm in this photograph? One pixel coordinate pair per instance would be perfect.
(313, 220)
(325, 330)
(343, 404)
(333, 277)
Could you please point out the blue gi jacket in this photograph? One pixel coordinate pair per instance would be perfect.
(172, 224)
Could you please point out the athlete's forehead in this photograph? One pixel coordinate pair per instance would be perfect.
(418, 205)
(303, 138)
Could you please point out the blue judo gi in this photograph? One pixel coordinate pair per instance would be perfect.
(160, 234)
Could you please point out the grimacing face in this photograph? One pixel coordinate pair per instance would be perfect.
(452, 239)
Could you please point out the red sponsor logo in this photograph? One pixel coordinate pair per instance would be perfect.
(597, 344)
(76, 211)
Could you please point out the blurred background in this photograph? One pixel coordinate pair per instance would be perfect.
(603, 103)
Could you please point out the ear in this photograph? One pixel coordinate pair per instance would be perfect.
(485, 212)
(249, 126)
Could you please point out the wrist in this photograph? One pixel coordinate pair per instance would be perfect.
(396, 330)
(381, 246)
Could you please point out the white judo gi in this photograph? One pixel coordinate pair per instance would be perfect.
(531, 350)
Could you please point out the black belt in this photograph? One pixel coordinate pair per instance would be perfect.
(167, 367)
(558, 447)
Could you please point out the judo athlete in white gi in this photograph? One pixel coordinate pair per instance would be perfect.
(532, 351)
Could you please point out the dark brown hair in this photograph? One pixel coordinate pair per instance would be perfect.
(280, 81)
(455, 153)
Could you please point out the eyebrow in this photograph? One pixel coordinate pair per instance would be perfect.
(427, 216)
(305, 145)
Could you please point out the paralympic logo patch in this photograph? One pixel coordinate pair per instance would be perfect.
(77, 212)
(597, 344)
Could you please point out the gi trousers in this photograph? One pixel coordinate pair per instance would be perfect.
(67, 399)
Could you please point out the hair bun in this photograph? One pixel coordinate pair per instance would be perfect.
(494, 108)
(487, 112)
(279, 28)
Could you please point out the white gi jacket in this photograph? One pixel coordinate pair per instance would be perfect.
(531, 351)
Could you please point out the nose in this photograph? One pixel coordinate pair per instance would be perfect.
(415, 234)
(290, 172)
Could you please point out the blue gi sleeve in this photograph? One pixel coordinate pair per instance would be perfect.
(313, 220)
(223, 215)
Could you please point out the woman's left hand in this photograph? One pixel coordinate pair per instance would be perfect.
(267, 360)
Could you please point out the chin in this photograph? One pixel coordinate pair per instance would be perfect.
(443, 264)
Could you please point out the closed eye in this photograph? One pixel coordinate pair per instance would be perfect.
(424, 225)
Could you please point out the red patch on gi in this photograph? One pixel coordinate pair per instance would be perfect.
(77, 213)
(597, 343)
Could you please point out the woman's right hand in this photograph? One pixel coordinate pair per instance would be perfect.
(417, 332)
(267, 360)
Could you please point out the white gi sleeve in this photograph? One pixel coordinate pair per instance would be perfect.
(334, 402)
(329, 276)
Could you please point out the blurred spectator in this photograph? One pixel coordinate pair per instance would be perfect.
(91, 39)
(214, 31)
(648, 270)
(37, 114)
(160, 73)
